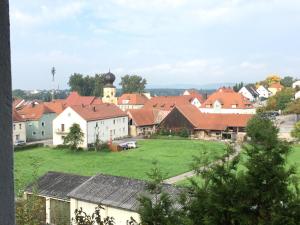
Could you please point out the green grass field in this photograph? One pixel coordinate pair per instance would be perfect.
(293, 159)
(173, 156)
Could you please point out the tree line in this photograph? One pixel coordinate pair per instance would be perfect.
(93, 85)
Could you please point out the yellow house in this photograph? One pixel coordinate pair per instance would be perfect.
(275, 87)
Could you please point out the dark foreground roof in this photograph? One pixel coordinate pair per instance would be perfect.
(119, 192)
(56, 185)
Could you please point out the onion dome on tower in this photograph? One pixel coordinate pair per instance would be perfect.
(109, 80)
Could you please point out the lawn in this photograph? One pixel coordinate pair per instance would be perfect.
(173, 156)
(293, 159)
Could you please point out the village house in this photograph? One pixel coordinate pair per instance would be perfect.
(249, 92)
(38, 119)
(143, 122)
(263, 92)
(197, 100)
(296, 84)
(19, 128)
(206, 125)
(275, 87)
(63, 193)
(132, 101)
(226, 100)
(104, 121)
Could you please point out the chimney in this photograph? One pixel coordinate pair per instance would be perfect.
(94, 108)
(32, 104)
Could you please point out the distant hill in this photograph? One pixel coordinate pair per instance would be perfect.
(190, 86)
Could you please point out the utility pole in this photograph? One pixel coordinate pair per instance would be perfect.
(7, 197)
(53, 71)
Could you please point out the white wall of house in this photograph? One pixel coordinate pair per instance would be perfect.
(107, 129)
(244, 91)
(19, 131)
(296, 84)
(125, 107)
(297, 95)
(196, 103)
(121, 216)
(228, 111)
(263, 92)
(114, 128)
(66, 119)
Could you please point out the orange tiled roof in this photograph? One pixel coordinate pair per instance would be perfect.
(213, 121)
(75, 99)
(132, 99)
(145, 117)
(16, 116)
(228, 97)
(277, 86)
(34, 111)
(196, 94)
(167, 103)
(57, 106)
(98, 112)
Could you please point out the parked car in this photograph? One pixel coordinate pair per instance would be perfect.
(20, 143)
(128, 145)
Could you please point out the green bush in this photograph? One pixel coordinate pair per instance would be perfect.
(183, 133)
(28, 147)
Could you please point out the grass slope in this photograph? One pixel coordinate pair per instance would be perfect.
(174, 157)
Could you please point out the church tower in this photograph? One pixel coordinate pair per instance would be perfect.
(109, 90)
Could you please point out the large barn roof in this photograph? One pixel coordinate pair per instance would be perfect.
(56, 184)
(115, 191)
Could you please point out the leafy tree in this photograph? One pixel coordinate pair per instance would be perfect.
(238, 86)
(287, 81)
(18, 93)
(293, 107)
(82, 218)
(160, 209)
(133, 83)
(87, 85)
(273, 78)
(281, 100)
(296, 131)
(74, 137)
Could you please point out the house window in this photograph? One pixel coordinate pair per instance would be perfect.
(96, 124)
(123, 120)
(43, 133)
(33, 133)
(17, 137)
(114, 121)
(14, 126)
(123, 129)
(62, 127)
(63, 137)
(43, 124)
(69, 114)
(233, 106)
(114, 132)
(20, 126)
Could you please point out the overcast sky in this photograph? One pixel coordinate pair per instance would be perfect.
(169, 42)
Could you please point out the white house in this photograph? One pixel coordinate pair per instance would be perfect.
(19, 128)
(297, 95)
(249, 92)
(296, 84)
(106, 121)
(226, 100)
(132, 101)
(263, 92)
(196, 98)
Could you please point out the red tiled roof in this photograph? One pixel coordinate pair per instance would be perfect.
(75, 99)
(98, 112)
(132, 99)
(196, 94)
(144, 117)
(17, 102)
(228, 97)
(277, 85)
(57, 106)
(34, 111)
(16, 116)
(167, 103)
(213, 121)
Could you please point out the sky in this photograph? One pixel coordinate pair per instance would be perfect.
(172, 43)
